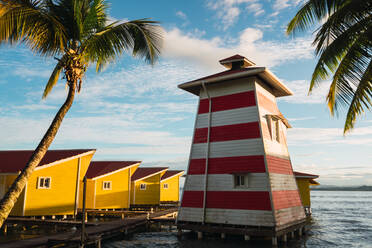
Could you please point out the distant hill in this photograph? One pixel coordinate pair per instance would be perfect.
(342, 188)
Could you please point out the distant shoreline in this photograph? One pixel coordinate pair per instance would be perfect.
(335, 188)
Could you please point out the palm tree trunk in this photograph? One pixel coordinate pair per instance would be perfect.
(15, 190)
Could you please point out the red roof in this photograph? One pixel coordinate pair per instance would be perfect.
(99, 168)
(236, 56)
(144, 172)
(304, 175)
(14, 161)
(170, 173)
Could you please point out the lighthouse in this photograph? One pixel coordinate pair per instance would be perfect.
(240, 178)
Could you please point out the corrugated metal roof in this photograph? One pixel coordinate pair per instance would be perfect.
(13, 161)
(99, 168)
(170, 173)
(144, 172)
(304, 175)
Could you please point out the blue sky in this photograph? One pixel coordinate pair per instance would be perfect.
(133, 111)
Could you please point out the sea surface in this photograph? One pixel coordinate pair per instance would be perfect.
(339, 219)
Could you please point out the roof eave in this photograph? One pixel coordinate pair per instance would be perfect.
(178, 174)
(280, 89)
(115, 171)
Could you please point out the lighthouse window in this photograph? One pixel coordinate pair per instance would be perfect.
(275, 129)
(241, 181)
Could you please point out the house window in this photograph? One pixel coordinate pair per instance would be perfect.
(143, 186)
(106, 185)
(165, 185)
(44, 182)
(241, 181)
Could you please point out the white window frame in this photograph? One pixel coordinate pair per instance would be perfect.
(42, 180)
(238, 178)
(109, 183)
(144, 186)
(275, 129)
(165, 186)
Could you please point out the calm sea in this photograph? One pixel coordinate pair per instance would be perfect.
(340, 219)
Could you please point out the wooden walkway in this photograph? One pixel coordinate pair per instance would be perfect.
(32, 222)
(103, 229)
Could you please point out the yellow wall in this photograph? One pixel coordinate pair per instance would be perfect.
(60, 198)
(304, 188)
(150, 196)
(89, 198)
(171, 194)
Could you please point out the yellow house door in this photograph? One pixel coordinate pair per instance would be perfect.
(2, 186)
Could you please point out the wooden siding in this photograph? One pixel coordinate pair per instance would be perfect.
(149, 196)
(281, 182)
(240, 131)
(279, 165)
(288, 215)
(228, 216)
(228, 117)
(226, 102)
(225, 182)
(170, 194)
(233, 148)
(251, 164)
(249, 200)
(232, 87)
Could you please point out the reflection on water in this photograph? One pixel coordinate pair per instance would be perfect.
(340, 219)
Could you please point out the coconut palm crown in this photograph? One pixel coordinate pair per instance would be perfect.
(344, 47)
(77, 33)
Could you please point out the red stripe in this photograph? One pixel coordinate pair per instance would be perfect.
(192, 199)
(279, 165)
(286, 199)
(252, 164)
(249, 200)
(249, 130)
(246, 200)
(219, 103)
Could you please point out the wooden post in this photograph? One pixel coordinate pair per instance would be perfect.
(43, 217)
(247, 237)
(223, 235)
(5, 229)
(179, 233)
(292, 235)
(99, 243)
(200, 235)
(82, 239)
(53, 217)
(274, 241)
(122, 216)
(300, 231)
(284, 238)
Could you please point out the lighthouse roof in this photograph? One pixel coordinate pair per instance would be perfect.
(240, 67)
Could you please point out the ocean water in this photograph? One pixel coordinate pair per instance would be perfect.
(339, 219)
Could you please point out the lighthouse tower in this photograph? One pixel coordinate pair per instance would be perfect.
(240, 177)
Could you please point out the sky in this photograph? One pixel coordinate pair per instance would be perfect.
(134, 111)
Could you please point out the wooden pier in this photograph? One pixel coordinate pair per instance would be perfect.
(94, 233)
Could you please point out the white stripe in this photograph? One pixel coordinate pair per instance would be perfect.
(228, 216)
(225, 182)
(287, 215)
(282, 182)
(228, 117)
(260, 87)
(244, 147)
(232, 87)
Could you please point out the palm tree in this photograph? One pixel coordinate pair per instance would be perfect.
(344, 47)
(79, 33)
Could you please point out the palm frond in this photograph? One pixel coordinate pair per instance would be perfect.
(361, 99)
(53, 79)
(28, 21)
(141, 37)
(312, 12)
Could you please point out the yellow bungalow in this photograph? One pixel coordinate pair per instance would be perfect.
(304, 181)
(170, 187)
(108, 184)
(145, 189)
(53, 187)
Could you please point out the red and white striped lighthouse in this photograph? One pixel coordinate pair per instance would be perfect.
(239, 172)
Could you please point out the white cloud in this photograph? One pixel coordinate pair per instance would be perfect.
(250, 43)
(302, 118)
(229, 10)
(283, 4)
(181, 15)
(300, 89)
